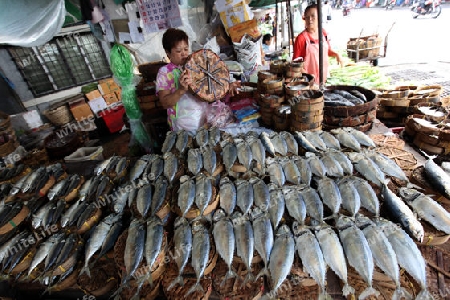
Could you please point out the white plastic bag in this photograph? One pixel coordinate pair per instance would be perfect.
(191, 113)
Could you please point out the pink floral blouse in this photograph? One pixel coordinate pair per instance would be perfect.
(167, 80)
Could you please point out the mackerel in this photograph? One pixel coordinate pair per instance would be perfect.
(332, 166)
(244, 153)
(159, 195)
(227, 195)
(304, 142)
(311, 255)
(330, 194)
(427, 208)
(169, 141)
(351, 201)
(360, 136)
(182, 247)
(194, 160)
(229, 154)
(144, 200)
(276, 206)
(369, 199)
(292, 145)
(209, 160)
(291, 171)
(258, 154)
(333, 254)
(346, 139)
(294, 203)
(315, 140)
(170, 166)
(305, 170)
(182, 141)
(438, 178)
(316, 165)
(343, 160)
(157, 168)
(387, 165)
(367, 168)
(267, 143)
(279, 144)
(202, 137)
(276, 172)
(330, 141)
(200, 254)
(245, 242)
(186, 194)
(401, 213)
(263, 233)
(203, 192)
(281, 257)
(224, 239)
(261, 196)
(244, 195)
(313, 203)
(214, 136)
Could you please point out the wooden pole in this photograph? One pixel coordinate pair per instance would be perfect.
(319, 19)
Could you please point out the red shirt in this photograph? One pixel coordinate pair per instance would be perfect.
(300, 43)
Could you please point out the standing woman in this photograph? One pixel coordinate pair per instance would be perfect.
(306, 45)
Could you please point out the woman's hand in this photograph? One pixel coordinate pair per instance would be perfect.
(234, 88)
(185, 80)
(339, 60)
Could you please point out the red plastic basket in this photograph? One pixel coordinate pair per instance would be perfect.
(113, 117)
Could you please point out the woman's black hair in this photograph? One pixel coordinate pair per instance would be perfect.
(309, 8)
(173, 36)
(266, 38)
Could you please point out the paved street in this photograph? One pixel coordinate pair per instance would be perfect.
(418, 49)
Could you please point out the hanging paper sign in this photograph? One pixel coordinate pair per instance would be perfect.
(159, 15)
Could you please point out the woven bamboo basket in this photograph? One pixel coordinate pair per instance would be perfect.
(8, 147)
(415, 123)
(59, 116)
(189, 278)
(346, 111)
(427, 147)
(233, 288)
(246, 90)
(262, 75)
(296, 88)
(429, 90)
(432, 111)
(415, 99)
(351, 121)
(15, 221)
(272, 84)
(103, 278)
(389, 141)
(278, 67)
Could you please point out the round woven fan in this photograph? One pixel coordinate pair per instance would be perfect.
(210, 76)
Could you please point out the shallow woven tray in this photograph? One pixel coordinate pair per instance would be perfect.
(391, 141)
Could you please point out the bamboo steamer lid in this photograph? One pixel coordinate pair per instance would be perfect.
(262, 75)
(210, 76)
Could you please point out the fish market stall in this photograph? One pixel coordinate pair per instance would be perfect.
(218, 216)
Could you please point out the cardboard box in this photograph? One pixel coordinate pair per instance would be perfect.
(119, 95)
(110, 98)
(81, 111)
(97, 104)
(108, 86)
(93, 95)
(248, 27)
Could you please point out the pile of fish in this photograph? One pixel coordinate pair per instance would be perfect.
(311, 191)
(336, 97)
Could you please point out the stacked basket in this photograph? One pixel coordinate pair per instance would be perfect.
(270, 88)
(307, 111)
(8, 141)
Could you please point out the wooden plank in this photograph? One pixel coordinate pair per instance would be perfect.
(441, 278)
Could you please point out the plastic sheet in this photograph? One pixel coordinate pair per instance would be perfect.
(29, 23)
(191, 113)
(219, 114)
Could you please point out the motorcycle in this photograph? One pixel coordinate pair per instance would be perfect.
(431, 7)
(390, 4)
(346, 10)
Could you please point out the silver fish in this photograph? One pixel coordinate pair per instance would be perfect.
(202, 137)
(244, 153)
(309, 251)
(100, 168)
(276, 172)
(330, 194)
(351, 201)
(186, 194)
(134, 248)
(144, 200)
(138, 168)
(408, 255)
(258, 154)
(346, 139)
(332, 166)
(83, 192)
(276, 206)
(169, 141)
(427, 209)
(227, 195)
(244, 195)
(263, 233)
(214, 136)
(438, 178)
(245, 242)
(195, 160)
(170, 166)
(333, 254)
(316, 165)
(330, 141)
(387, 165)
(281, 257)
(229, 154)
(182, 247)
(120, 199)
(97, 238)
(315, 139)
(209, 160)
(40, 215)
(369, 199)
(290, 170)
(314, 206)
(159, 195)
(294, 203)
(153, 243)
(366, 167)
(121, 167)
(358, 253)
(292, 145)
(383, 253)
(200, 254)
(261, 196)
(182, 141)
(224, 239)
(278, 143)
(343, 160)
(42, 251)
(56, 190)
(203, 192)
(157, 167)
(304, 168)
(267, 143)
(360, 136)
(401, 213)
(67, 215)
(304, 142)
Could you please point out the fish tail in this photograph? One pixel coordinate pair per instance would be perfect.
(86, 270)
(401, 293)
(263, 272)
(347, 290)
(178, 280)
(230, 274)
(424, 295)
(368, 292)
(248, 278)
(195, 288)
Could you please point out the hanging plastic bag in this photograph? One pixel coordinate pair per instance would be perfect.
(219, 114)
(191, 113)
